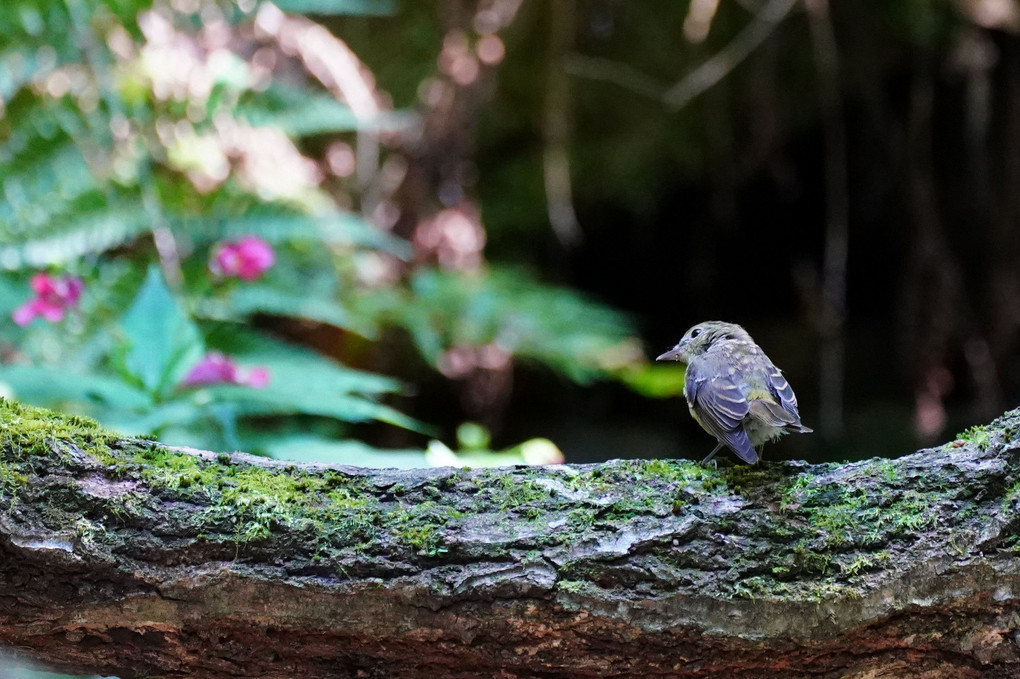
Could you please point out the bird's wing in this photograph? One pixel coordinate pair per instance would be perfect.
(719, 404)
(782, 392)
(779, 407)
(771, 413)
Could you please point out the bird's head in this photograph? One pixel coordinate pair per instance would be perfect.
(700, 339)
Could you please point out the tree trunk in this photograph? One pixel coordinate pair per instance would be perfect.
(124, 557)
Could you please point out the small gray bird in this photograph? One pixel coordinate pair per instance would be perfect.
(733, 390)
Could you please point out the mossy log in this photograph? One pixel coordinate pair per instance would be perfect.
(121, 556)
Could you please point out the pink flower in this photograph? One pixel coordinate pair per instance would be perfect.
(247, 258)
(215, 368)
(54, 295)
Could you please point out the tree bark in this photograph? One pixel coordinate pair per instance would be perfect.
(121, 556)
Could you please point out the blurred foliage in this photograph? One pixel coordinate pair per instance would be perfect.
(137, 138)
(474, 443)
(718, 208)
(553, 326)
(15, 670)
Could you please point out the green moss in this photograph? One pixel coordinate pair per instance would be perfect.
(10, 478)
(808, 560)
(420, 537)
(26, 431)
(346, 499)
(757, 586)
(1011, 497)
(674, 470)
(691, 476)
(512, 493)
(639, 488)
(823, 539)
(829, 591)
(573, 586)
(979, 435)
(640, 501)
(253, 500)
(249, 500)
(844, 516)
(243, 502)
(171, 470)
(420, 527)
(858, 565)
(825, 536)
(580, 519)
(792, 492)
(89, 532)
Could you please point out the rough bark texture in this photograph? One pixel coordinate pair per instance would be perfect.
(124, 557)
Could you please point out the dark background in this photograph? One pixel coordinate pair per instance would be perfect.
(719, 209)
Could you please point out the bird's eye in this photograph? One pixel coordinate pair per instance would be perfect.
(727, 337)
(695, 332)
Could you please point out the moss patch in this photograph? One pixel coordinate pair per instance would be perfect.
(27, 431)
(786, 531)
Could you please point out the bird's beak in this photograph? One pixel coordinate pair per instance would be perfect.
(671, 355)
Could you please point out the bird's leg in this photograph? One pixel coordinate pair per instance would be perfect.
(712, 454)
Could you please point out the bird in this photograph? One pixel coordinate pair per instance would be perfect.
(734, 391)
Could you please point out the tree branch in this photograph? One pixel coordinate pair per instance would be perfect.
(725, 60)
(556, 132)
(120, 556)
(702, 78)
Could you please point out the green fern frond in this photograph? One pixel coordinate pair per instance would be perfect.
(361, 7)
(301, 113)
(296, 111)
(19, 67)
(276, 225)
(37, 190)
(76, 235)
(293, 302)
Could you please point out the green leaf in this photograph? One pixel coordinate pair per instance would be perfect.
(299, 112)
(179, 412)
(297, 365)
(361, 7)
(655, 381)
(264, 298)
(56, 386)
(163, 343)
(278, 226)
(302, 382)
(290, 399)
(306, 448)
(554, 326)
(13, 293)
(17, 68)
(80, 234)
(532, 451)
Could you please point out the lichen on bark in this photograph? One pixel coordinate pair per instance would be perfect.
(126, 557)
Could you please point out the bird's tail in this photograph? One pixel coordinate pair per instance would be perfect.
(739, 443)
